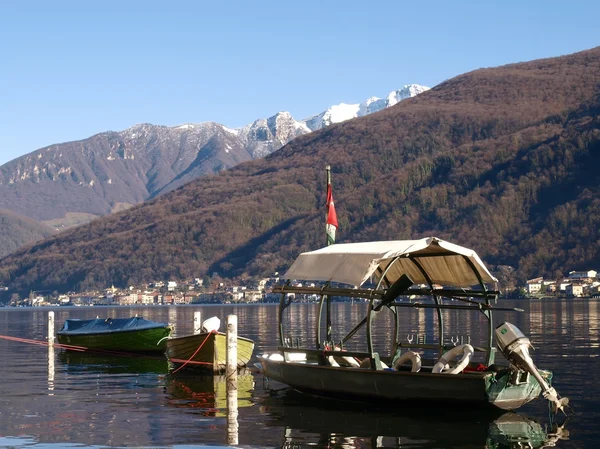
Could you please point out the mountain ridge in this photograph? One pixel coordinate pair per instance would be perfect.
(127, 167)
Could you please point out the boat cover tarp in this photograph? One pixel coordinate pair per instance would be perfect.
(108, 325)
(445, 263)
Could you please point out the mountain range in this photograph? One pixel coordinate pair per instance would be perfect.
(504, 160)
(71, 183)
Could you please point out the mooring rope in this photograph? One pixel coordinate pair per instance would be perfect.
(72, 347)
(194, 355)
(43, 343)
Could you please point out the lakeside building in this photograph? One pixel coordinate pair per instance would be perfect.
(198, 291)
(583, 275)
(534, 285)
(578, 284)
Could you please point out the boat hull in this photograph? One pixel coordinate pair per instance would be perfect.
(146, 340)
(206, 351)
(366, 385)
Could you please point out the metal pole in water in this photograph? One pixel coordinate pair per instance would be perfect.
(232, 384)
(197, 322)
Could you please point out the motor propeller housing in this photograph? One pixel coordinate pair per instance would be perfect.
(510, 339)
(515, 347)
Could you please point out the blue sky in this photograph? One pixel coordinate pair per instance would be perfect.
(71, 69)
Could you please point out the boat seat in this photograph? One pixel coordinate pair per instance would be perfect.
(322, 357)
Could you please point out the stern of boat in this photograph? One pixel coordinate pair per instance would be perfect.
(510, 389)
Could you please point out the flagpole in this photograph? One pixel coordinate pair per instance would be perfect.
(328, 169)
(331, 223)
(330, 241)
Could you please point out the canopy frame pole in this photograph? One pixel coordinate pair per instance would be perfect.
(320, 319)
(282, 307)
(490, 356)
(395, 343)
(481, 308)
(436, 299)
(372, 313)
(370, 316)
(328, 317)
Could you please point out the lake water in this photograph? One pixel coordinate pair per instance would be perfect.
(53, 399)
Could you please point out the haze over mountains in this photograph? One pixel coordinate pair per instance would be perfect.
(504, 160)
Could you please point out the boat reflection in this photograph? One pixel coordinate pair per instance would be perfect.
(113, 363)
(207, 394)
(318, 423)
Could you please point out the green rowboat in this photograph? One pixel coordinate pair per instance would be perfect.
(111, 334)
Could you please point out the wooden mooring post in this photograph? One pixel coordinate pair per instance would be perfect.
(232, 384)
(232, 365)
(51, 351)
(51, 328)
(197, 322)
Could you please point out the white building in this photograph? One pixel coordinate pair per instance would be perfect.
(534, 285)
(150, 297)
(574, 290)
(590, 274)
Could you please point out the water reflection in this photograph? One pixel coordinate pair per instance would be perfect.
(51, 369)
(207, 394)
(232, 410)
(311, 422)
(97, 362)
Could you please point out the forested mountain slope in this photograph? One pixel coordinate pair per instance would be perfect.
(16, 230)
(71, 183)
(502, 160)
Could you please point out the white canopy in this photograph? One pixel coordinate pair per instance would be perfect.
(444, 263)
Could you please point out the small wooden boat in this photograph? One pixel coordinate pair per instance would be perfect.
(114, 334)
(427, 268)
(207, 350)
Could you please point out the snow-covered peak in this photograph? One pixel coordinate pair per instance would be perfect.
(185, 126)
(408, 91)
(334, 114)
(343, 112)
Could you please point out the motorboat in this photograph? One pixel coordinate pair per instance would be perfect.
(427, 273)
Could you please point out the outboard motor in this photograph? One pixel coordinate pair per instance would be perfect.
(515, 347)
